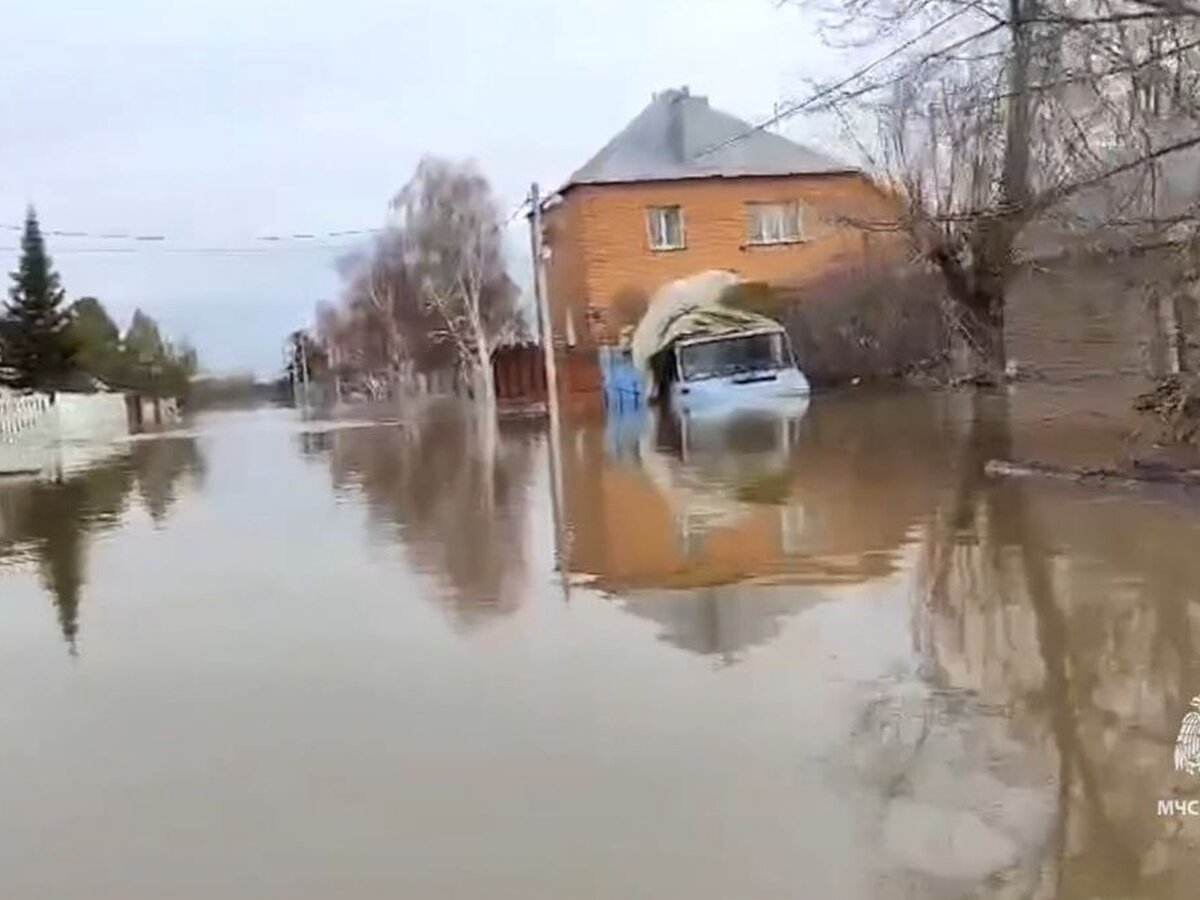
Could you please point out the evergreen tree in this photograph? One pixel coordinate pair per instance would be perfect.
(152, 363)
(143, 338)
(97, 340)
(37, 349)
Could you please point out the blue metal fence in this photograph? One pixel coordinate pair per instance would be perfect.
(622, 382)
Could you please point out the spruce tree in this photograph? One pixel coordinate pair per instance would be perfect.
(37, 348)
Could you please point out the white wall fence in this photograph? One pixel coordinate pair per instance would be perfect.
(91, 417)
(35, 429)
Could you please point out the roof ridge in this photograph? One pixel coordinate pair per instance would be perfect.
(613, 143)
(679, 135)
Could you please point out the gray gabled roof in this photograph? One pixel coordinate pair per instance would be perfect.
(680, 136)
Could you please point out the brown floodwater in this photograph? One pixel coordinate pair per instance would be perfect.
(814, 656)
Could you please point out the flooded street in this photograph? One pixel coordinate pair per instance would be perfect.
(816, 657)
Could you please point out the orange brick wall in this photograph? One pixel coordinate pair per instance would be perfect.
(600, 247)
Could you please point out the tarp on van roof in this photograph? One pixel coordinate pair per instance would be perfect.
(696, 306)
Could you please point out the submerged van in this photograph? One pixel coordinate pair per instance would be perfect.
(697, 353)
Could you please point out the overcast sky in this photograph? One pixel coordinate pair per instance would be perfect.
(214, 122)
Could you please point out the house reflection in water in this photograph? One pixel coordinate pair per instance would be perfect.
(720, 530)
(1054, 636)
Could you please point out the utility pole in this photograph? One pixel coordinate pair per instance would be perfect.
(546, 328)
(297, 365)
(303, 367)
(289, 361)
(335, 364)
(545, 322)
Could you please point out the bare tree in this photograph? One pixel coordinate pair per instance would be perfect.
(361, 333)
(453, 250)
(996, 114)
(431, 291)
(384, 331)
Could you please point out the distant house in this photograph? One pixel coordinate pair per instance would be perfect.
(684, 187)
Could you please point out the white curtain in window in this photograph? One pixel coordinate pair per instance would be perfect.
(666, 227)
(773, 223)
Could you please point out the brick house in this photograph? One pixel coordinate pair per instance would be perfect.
(683, 188)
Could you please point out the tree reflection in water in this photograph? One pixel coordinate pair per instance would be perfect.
(1053, 627)
(457, 498)
(53, 522)
(1064, 619)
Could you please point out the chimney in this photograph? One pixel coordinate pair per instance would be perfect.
(677, 100)
(676, 138)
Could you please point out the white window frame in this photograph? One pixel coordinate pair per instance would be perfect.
(771, 222)
(657, 232)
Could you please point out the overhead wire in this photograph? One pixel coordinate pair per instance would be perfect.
(167, 250)
(131, 235)
(791, 109)
(266, 244)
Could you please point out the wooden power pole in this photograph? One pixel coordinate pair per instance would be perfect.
(545, 322)
(546, 328)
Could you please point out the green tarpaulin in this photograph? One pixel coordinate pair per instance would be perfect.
(692, 307)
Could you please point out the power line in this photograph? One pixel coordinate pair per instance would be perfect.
(168, 251)
(265, 244)
(309, 236)
(130, 235)
(517, 210)
(1163, 7)
(944, 52)
(299, 239)
(791, 109)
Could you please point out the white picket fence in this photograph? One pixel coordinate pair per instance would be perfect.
(38, 434)
(24, 416)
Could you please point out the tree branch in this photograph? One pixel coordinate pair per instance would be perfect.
(792, 109)
(1056, 195)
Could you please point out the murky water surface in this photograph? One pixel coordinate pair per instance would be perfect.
(809, 657)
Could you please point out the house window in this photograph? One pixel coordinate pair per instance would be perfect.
(665, 226)
(773, 223)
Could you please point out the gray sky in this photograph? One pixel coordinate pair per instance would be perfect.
(213, 122)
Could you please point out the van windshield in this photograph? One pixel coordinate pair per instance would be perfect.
(733, 356)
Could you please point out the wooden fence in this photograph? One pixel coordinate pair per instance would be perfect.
(520, 374)
(521, 378)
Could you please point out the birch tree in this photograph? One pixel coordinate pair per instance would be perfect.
(382, 329)
(453, 248)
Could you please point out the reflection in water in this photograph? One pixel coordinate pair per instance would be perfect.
(456, 495)
(945, 686)
(719, 620)
(676, 517)
(1053, 633)
(160, 466)
(53, 522)
(1073, 631)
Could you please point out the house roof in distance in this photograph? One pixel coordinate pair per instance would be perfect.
(680, 136)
